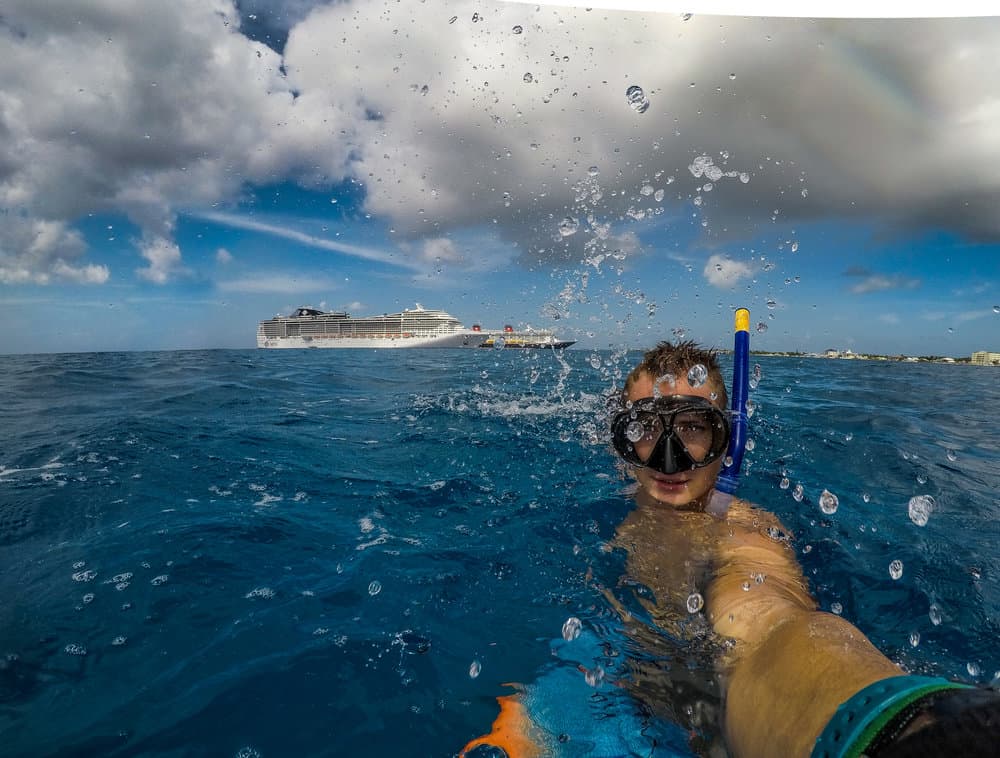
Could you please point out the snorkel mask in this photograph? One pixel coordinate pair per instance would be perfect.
(683, 432)
(670, 434)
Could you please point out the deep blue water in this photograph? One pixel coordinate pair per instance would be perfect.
(291, 553)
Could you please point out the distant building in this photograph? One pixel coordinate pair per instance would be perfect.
(983, 358)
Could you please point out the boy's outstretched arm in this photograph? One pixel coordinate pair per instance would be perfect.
(791, 665)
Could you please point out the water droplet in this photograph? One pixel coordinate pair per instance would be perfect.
(797, 493)
(517, 29)
(413, 643)
(84, 576)
(750, 445)
(921, 479)
(74, 649)
(996, 308)
(836, 608)
(474, 669)
(785, 483)
(761, 327)
(896, 569)
(920, 509)
(695, 602)
(499, 343)
(686, 16)
(973, 668)
(571, 628)
(453, 19)
(594, 677)
(934, 612)
(697, 375)
(156, 581)
(595, 361)
(914, 639)
(751, 407)
(637, 99)
(866, 497)
(771, 304)
(374, 588)
(528, 78)
(744, 178)
(568, 226)
(828, 502)
(952, 455)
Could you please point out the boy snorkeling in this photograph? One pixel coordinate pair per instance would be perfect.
(796, 681)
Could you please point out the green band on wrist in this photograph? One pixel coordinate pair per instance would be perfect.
(859, 719)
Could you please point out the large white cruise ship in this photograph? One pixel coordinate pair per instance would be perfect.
(420, 327)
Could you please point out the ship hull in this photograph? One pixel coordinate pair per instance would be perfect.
(456, 340)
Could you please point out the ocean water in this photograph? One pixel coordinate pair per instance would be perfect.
(325, 553)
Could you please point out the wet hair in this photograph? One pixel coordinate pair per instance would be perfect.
(668, 358)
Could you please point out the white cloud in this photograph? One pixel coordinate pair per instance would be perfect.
(889, 318)
(223, 256)
(724, 272)
(163, 257)
(155, 109)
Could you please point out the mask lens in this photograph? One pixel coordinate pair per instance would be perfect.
(692, 422)
(698, 431)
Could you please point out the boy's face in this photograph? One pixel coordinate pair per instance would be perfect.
(684, 489)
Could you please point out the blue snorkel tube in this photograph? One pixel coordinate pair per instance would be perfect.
(729, 477)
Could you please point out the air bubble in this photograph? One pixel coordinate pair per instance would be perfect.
(594, 677)
(571, 628)
(634, 431)
(934, 612)
(896, 569)
(697, 375)
(637, 99)
(474, 669)
(669, 379)
(528, 78)
(568, 226)
(517, 29)
(695, 602)
(920, 508)
(914, 639)
(836, 608)
(374, 588)
(797, 493)
(828, 502)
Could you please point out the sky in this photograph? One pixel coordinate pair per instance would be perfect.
(172, 173)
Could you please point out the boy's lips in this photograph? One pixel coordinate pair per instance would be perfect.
(671, 481)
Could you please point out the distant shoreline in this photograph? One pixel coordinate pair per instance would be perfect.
(867, 357)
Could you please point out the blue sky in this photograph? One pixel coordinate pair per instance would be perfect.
(171, 175)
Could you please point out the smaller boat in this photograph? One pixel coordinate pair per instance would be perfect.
(530, 338)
